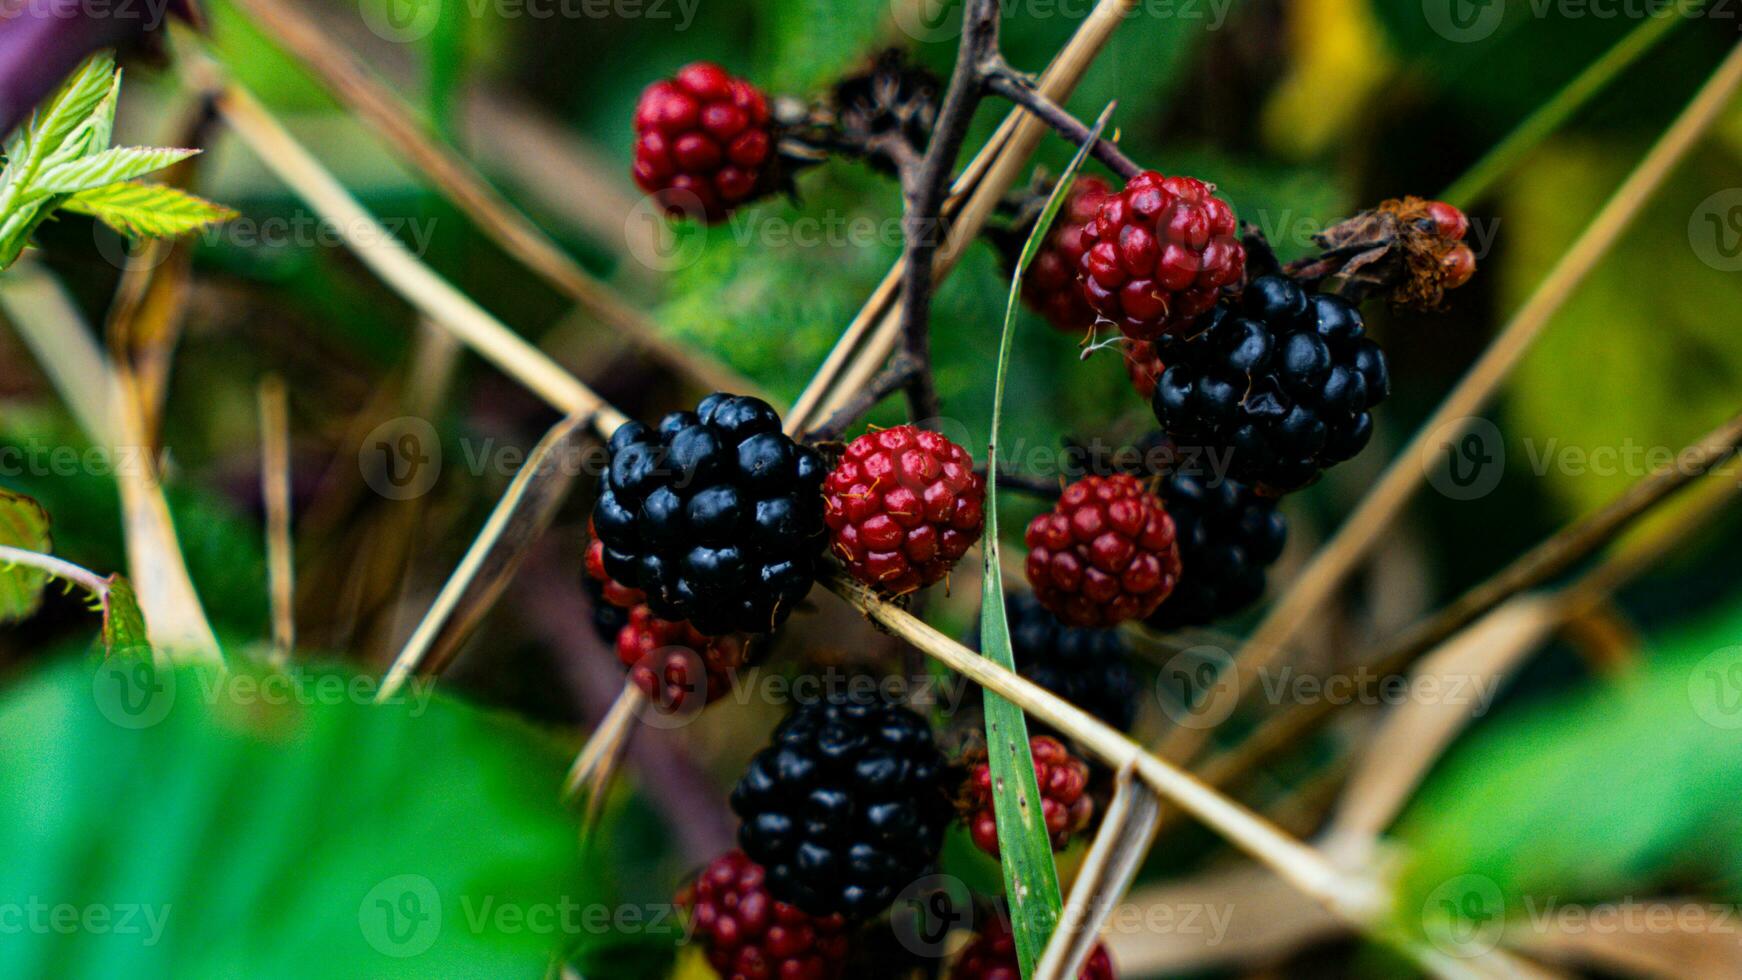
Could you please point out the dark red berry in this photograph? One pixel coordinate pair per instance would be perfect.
(703, 142)
(672, 662)
(1449, 222)
(1144, 365)
(1064, 801)
(1157, 254)
(1458, 266)
(749, 935)
(1104, 554)
(903, 506)
(1050, 288)
(992, 956)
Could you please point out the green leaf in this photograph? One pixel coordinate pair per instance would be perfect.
(79, 97)
(1621, 790)
(106, 167)
(259, 824)
(1031, 885)
(23, 524)
(148, 210)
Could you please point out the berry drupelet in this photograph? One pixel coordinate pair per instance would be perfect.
(1158, 253)
(703, 142)
(672, 663)
(1280, 385)
(1065, 804)
(751, 935)
(992, 956)
(1104, 554)
(1087, 667)
(1228, 536)
(846, 807)
(903, 506)
(1051, 288)
(716, 515)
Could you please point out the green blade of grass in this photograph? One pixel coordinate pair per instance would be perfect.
(1031, 885)
(1553, 114)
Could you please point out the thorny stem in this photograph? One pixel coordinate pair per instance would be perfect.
(1005, 81)
(58, 568)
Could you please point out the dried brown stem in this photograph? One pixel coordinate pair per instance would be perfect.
(361, 91)
(1002, 80)
(1528, 571)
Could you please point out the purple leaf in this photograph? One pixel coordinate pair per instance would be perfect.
(42, 41)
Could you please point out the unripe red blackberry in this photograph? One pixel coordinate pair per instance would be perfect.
(1104, 554)
(903, 505)
(1050, 287)
(672, 662)
(702, 141)
(749, 935)
(992, 956)
(1157, 254)
(1065, 804)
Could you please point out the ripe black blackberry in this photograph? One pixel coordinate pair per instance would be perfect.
(1228, 537)
(716, 515)
(1282, 383)
(846, 806)
(1087, 667)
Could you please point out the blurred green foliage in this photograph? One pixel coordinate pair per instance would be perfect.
(218, 826)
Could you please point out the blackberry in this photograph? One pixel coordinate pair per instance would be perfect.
(1087, 667)
(1051, 287)
(704, 143)
(1281, 384)
(1065, 804)
(747, 933)
(1228, 537)
(903, 506)
(892, 100)
(673, 662)
(1104, 554)
(846, 807)
(607, 619)
(716, 515)
(992, 956)
(1158, 253)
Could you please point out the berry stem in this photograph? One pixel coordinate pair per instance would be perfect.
(924, 187)
(1002, 80)
(900, 372)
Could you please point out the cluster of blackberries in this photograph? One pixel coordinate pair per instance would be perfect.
(716, 515)
(846, 807)
(1281, 385)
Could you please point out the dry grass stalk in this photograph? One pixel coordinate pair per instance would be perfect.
(1316, 584)
(275, 491)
